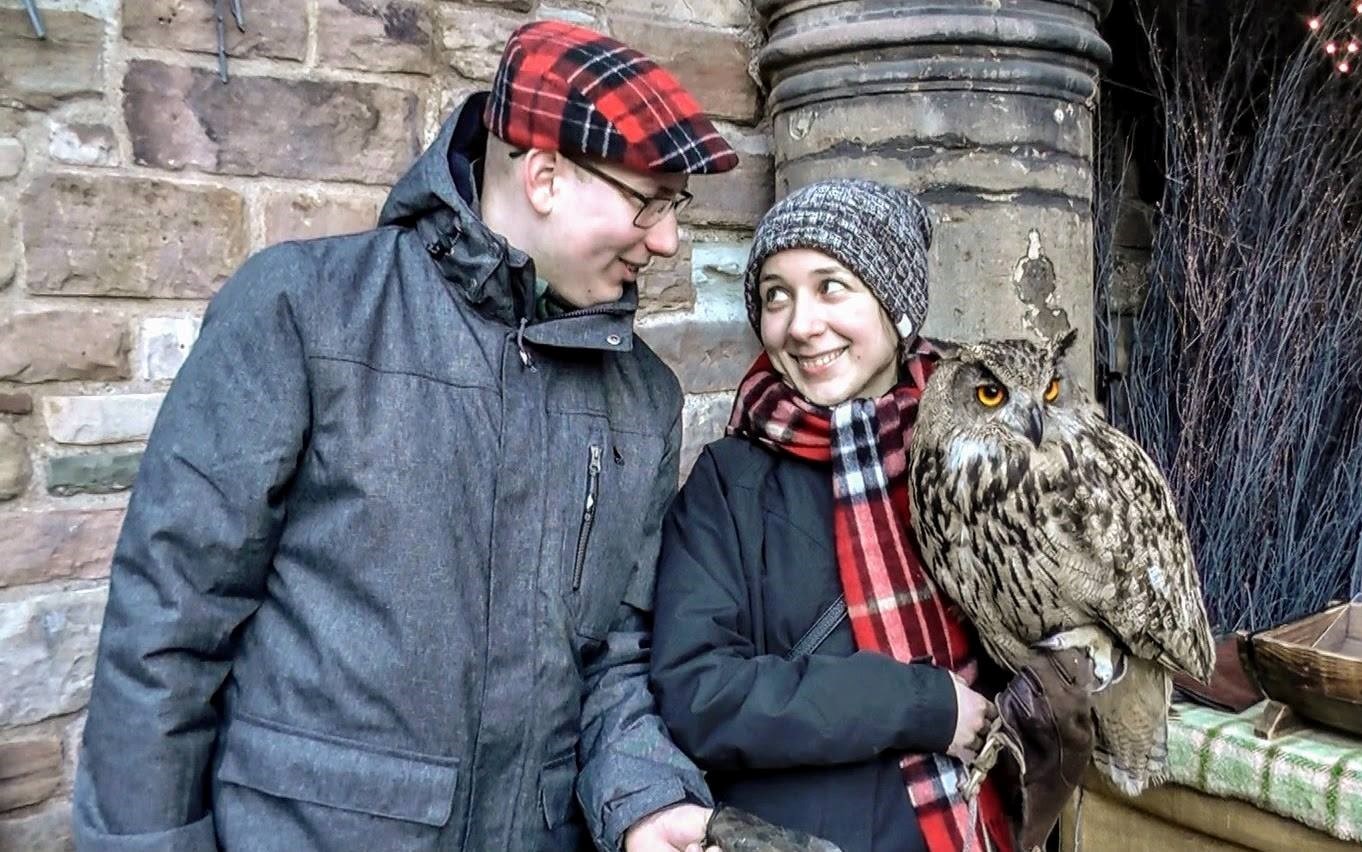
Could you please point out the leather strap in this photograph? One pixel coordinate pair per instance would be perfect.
(822, 628)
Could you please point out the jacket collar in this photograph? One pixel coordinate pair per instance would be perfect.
(438, 198)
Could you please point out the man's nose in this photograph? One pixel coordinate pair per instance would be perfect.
(662, 237)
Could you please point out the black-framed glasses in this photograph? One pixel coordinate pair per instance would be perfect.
(653, 208)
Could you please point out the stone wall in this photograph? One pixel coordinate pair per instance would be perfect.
(132, 182)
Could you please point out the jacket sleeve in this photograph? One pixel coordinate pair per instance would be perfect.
(729, 707)
(190, 566)
(630, 767)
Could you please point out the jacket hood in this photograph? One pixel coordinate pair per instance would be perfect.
(438, 198)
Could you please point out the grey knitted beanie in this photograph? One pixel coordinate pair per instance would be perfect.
(879, 232)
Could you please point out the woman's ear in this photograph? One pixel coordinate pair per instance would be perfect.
(538, 170)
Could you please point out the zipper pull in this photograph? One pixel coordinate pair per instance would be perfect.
(619, 457)
(525, 359)
(595, 459)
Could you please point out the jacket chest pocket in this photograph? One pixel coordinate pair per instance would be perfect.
(606, 531)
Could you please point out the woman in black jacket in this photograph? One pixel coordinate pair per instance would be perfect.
(856, 740)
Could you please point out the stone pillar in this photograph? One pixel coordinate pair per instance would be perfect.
(985, 108)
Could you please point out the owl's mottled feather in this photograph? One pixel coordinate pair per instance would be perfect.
(1037, 517)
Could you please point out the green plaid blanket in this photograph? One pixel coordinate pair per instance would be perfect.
(1312, 776)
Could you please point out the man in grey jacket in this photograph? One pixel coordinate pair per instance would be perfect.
(385, 576)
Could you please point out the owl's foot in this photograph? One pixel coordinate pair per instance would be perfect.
(1108, 664)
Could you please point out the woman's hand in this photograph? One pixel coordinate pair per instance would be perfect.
(973, 716)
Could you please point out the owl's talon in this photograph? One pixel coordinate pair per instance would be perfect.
(1108, 666)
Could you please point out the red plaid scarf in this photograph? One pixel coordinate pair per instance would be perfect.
(893, 605)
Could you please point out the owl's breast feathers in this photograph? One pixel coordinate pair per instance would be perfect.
(1081, 530)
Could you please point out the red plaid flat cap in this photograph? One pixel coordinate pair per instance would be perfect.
(565, 88)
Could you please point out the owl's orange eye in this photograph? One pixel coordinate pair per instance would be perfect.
(1052, 391)
(990, 396)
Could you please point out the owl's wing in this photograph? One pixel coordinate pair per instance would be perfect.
(1120, 550)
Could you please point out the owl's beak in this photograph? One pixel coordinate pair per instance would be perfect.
(1035, 425)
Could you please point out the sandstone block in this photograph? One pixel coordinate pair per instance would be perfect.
(162, 345)
(737, 198)
(101, 419)
(30, 771)
(666, 285)
(711, 63)
(182, 118)
(41, 547)
(39, 74)
(709, 348)
(702, 420)
(49, 660)
(108, 236)
(11, 157)
(274, 28)
(302, 216)
(714, 13)
(82, 144)
(473, 39)
(16, 403)
(15, 469)
(376, 35)
(49, 830)
(57, 345)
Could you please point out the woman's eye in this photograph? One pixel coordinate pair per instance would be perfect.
(832, 285)
(774, 296)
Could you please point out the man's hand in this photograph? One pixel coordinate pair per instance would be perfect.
(679, 828)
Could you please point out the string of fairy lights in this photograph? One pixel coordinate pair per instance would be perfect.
(1337, 39)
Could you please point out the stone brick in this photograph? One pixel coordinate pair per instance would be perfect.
(301, 216)
(11, 157)
(182, 118)
(56, 346)
(709, 348)
(16, 403)
(737, 198)
(41, 547)
(714, 13)
(514, 5)
(702, 420)
(711, 63)
(82, 144)
(376, 35)
(49, 830)
(101, 419)
(49, 660)
(162, 345)
(9, 247)
(274, 28)
(39, 74)
(720, 265)
(119, 236)
(30, 771)
(15, 469)
(666, 285)
(594, 20)
(98, 473)
(473, 39)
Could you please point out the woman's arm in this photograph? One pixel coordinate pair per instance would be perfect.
(730, 708)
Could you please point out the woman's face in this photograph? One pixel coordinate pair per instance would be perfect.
(824, 330)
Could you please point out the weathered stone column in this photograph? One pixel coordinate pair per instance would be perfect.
(985, 108)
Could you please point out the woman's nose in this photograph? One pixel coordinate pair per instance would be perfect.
(806, 320)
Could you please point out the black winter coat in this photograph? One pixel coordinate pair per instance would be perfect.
(748, 563)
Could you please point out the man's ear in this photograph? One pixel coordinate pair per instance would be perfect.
(538, 170)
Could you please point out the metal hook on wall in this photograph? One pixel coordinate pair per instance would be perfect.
(220, 15)
(35, 19)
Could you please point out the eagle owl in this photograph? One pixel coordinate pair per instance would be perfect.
(1050, 528)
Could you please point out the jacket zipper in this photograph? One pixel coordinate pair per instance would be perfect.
(593, 484)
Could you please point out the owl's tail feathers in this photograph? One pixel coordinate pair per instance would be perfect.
(1132, 728)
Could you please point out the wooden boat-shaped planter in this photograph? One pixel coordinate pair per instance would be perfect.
(1313, 666)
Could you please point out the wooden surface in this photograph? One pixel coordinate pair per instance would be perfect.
(1314, 666)
(1173, 818)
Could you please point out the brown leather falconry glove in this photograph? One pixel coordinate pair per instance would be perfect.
(1046, 710)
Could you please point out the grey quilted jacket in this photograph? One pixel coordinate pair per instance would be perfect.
(384, 578)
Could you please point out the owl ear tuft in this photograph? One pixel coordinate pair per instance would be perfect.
(1060, 345)
(948, 349)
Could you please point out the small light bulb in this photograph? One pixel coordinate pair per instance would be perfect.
(1353, 47)
(1314, 24)
(1344, 68)
(1330, 48)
